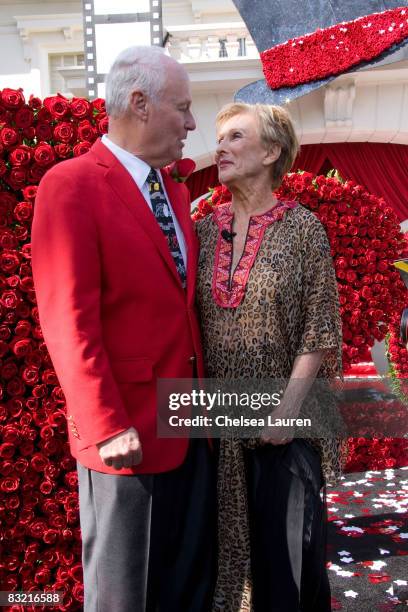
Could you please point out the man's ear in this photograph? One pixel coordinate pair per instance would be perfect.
(273, 154)
(138, 104)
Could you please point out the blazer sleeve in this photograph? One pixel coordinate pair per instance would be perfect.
(67, 278)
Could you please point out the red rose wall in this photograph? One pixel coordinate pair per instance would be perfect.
(40, 534)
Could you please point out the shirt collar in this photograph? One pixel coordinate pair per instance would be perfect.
(134, 165)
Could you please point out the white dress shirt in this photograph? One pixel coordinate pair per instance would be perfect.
(139, 170)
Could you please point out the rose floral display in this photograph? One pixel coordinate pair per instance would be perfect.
(365, 239)
(39, 522)
(41, 542)
(397, 355)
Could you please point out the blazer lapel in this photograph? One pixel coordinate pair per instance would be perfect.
(127, 191)
(181, 207)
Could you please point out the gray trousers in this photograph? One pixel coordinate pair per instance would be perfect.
(149, 541)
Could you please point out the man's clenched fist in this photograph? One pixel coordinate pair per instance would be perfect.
(122, 450)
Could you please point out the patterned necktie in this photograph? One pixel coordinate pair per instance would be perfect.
(162, 212)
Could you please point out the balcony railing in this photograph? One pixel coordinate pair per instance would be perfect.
(209, 42)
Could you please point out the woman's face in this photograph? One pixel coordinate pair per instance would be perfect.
(240, 154)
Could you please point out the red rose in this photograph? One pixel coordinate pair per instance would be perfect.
(20, 465)
(26, 448)
(86, 131)
(12, 99)
(20, 232)
(52, 471)
(30, 192)
(49, 377)
(22, 347)
(24, 117)
(7, 450)
(12, 502)
(57, 418)
(23, 211)
(3, 167)
(38, 528)
(37, 333)
(20, 156)
(71, 480)
(78, 592)
(98, 105)
(180, 170)
(15, 406)
(29, 133)
(81, 148)
(30, 375)
(64, 131)
(57, 106)
(80, 108)
(9, 261)
(46, 487)
(57, 394)
(63, 151)
(9, 299)
(23, 329)
(17, 177)
(23, 310)
(9, 484)
(9, 369)
(5, 332)
(58, 521)
(103, 124)
(36, 173)
(44, 154)
(39, 391)
(43, 131)
(34, 102)
(9, 137)
(15, 387)
(46, 432)
(27, 284)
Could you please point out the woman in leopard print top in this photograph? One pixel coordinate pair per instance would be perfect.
(268, 300)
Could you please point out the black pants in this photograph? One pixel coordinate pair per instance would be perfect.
(288, 529)
(149, 541)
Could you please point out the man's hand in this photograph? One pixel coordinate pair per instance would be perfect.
(122, 450)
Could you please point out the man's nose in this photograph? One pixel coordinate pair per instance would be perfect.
(190, 122)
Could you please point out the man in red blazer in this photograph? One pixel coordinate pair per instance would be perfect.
(114, 260)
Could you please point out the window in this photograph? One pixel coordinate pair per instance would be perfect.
(62, 60)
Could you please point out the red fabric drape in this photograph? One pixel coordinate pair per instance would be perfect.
(311, 158)
(380, 167)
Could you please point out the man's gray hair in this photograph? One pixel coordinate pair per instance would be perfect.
(134, 68)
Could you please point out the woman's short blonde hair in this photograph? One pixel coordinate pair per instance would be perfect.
(275, 127)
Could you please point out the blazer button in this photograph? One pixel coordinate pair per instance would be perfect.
(192, 359)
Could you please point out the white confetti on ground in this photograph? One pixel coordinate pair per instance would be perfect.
(358, 529)
(377, 565)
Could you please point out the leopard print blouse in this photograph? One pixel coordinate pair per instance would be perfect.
(290, 307)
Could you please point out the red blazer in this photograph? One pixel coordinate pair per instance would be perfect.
(112, 308)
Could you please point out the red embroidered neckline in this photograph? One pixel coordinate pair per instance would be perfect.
(230, 295)
(335, 49)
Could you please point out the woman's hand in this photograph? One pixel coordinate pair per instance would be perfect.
(279, 434)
